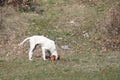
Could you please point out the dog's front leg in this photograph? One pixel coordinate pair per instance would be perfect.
(43, 52)
(30, 55)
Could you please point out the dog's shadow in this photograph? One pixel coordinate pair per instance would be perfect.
(48, 54)
(47, 57)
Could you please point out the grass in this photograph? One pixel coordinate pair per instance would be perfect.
(84, 66)
(83, 61)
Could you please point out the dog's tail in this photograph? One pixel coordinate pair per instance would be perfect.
(24, 41)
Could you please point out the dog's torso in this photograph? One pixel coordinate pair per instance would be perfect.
(43, 41)
(46, 44)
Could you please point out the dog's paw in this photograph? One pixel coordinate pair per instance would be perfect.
(30, 59)
(44, 59)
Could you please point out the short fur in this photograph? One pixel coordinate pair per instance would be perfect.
(46, 44)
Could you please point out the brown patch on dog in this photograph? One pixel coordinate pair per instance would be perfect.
(52, 58)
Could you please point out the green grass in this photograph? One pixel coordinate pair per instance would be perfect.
(84, 66)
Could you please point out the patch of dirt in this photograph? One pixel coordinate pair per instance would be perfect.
(111, 26)
(112, 43)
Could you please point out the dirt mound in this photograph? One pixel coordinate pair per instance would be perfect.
(112, 21)
(111, 24)
(16, 3)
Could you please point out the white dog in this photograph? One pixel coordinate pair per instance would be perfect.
(46, 44)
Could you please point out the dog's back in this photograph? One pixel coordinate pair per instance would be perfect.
(41, 40)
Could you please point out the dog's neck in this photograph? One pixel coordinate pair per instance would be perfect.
(55, 54)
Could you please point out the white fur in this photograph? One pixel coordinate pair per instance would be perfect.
(46, 44)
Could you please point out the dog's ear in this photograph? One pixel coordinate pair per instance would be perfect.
(58, 57)
(52, 58)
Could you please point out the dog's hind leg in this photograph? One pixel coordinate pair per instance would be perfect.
(31, 51)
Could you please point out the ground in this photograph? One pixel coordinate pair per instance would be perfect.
(71, 24)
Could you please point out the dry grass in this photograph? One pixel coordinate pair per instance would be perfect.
(71, 23)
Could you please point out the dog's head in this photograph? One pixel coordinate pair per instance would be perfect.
(53, 58)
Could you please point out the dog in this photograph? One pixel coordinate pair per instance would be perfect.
(46, 45)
